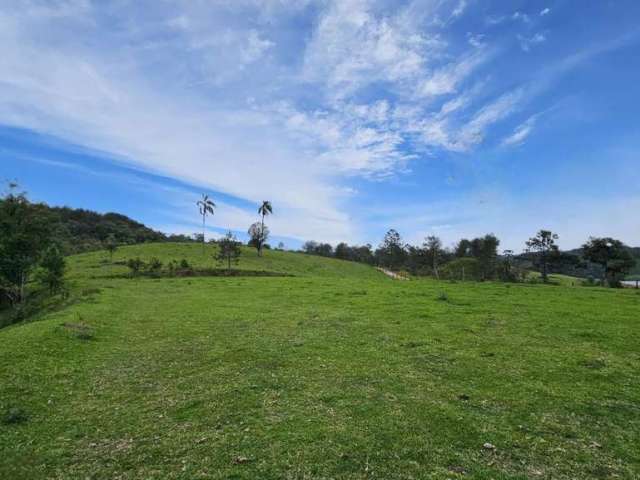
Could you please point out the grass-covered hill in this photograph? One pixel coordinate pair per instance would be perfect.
(334, 372)
(273, 261)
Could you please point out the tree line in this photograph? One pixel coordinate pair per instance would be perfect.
(605, 259)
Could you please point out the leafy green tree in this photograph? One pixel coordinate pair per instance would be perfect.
(258, 234)
(205, 207)
(228, 250)
(485, 250)
(25, 231)
(265, 209)
(315, 248)
(342, 251)
(111, 245)
(612, 255)
(462, 248)
(53, 266)
(434, 252)
(391, 252)
(508, 269)
(545, 244)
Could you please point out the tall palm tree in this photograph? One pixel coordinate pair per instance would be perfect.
(264, 210)
(205, 207)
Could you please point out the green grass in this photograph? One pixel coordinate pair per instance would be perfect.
(96, 265)
(337, 372)
(558, 279)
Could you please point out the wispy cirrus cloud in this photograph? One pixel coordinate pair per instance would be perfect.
(520, 133)
(528, 42)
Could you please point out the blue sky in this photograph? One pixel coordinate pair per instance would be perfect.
(455, 118)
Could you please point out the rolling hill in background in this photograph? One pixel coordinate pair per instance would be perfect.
(78, 230)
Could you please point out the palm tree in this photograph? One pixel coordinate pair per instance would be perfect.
(264, 210)
(206, 207)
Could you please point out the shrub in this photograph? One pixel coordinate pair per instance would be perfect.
(155, 265)
(172, 267)
(135, 265)
(443, 297)
(465, 268)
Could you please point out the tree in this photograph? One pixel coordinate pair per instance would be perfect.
(205, 207)
(485, 250)
(612, 255)
(433, 250)
(508, 270)
(53, 266)
(364, 254)
(309, 247)
(25, 234)
(315, 248)
(462, 248)
(111, 245)
(342, 251)
(258, 234)
(391, 252)
(544, 244)
(228, 250)
(264, 210)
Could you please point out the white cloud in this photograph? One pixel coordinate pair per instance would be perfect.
(446, 79)
(545, 11)
(352, 47)
(526, 43)
(520, 133)
(521, 16)
(459, 9)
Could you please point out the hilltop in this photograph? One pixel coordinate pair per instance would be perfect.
(79, 230)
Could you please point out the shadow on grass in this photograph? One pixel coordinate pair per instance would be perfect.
(39, 304)
(206, 272)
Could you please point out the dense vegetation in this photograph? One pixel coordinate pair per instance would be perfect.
(334, 372)
(77, 230)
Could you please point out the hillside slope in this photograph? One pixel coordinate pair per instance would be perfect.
(292, 263)
(336, 372)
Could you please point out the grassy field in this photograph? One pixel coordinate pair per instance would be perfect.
(336, 372)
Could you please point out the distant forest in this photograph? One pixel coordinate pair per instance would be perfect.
(78, 230)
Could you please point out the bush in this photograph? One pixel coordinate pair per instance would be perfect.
(465, 268)
(155, 265)
(135, 265)
(172, 266)
(52, 269)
